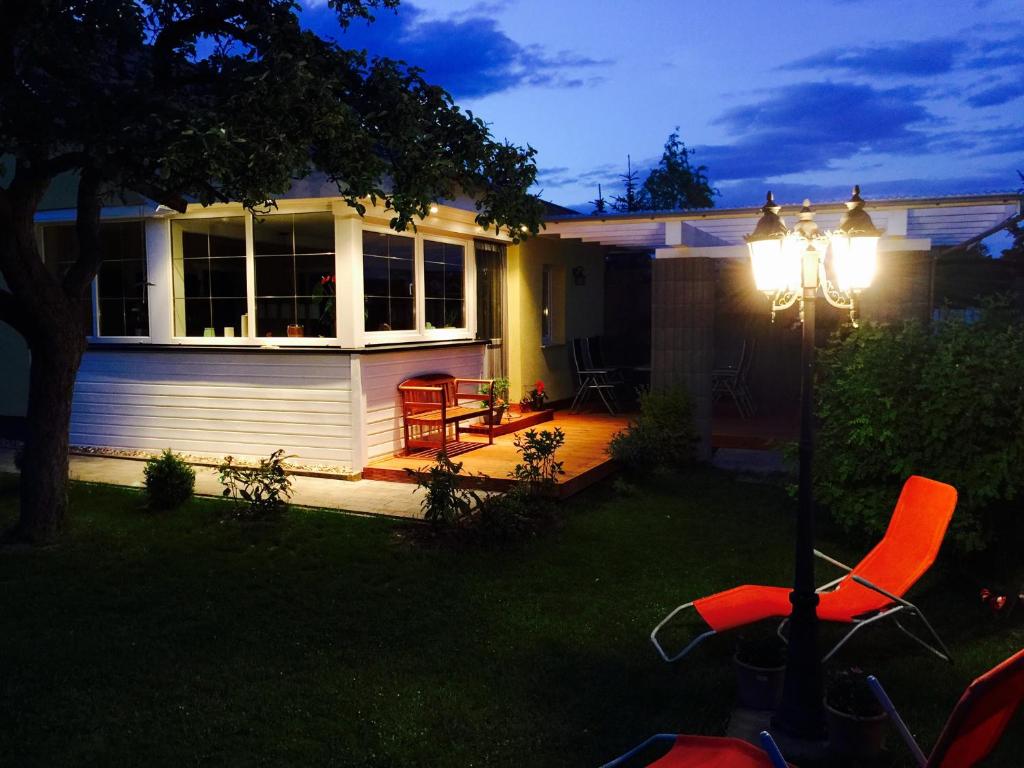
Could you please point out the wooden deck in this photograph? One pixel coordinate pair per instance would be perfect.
(584, 454)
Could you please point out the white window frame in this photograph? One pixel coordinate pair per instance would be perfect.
(421, 332)
(270, 342)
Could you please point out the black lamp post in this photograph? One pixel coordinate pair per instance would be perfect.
(789, 266)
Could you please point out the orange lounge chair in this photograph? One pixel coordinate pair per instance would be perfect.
(976, 723)
(707, 752)
(869, 592)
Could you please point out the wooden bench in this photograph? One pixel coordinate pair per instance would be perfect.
(434, 402)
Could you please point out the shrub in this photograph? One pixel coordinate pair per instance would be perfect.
(257, 491)
(513, 515)
(945, 401)
(170, 481)
(538, 471)
(445, 502)
(663, 435)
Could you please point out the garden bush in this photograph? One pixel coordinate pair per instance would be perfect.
(537, 472)
(257, 491)
(663, 435)
(170, 481)
(945, 401)
(446, 502)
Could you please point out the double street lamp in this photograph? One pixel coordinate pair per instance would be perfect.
(789, 266)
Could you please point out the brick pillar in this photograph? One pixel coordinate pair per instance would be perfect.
(683, 334)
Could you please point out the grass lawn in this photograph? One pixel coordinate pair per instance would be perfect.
(324, 639)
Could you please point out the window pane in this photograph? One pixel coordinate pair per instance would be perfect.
(208, 265)
(111, 284)
(112, 320)
(403, 316)
(314, 233)
(389, 282)
(445, 275)
(313, 271)
(400, 278)
(376, 314)
(272, 235)
(295, 285)
(227, 277)
(375, 276)
(275, 276)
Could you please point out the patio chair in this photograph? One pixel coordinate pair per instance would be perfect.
(976, 723)
(708, 752)
(869, 592)
(590, 379)
(733, 380)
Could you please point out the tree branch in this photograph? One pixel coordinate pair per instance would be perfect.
(87, 229)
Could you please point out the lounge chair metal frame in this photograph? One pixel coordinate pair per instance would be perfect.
(901, 606)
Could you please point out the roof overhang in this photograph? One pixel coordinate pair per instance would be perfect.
(909, 224)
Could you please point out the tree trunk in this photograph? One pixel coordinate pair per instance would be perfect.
(44, 473)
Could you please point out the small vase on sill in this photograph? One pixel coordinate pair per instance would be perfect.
(296, 331)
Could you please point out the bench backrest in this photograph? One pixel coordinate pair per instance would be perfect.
(444, 380)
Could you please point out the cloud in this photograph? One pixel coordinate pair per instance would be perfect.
(807, 126)
(466, 53)
(997, 94)
(910, 58)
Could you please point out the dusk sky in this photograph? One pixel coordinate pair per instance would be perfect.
(905, 98)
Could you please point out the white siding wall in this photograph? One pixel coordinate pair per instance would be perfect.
(383, 372)
(220, 403)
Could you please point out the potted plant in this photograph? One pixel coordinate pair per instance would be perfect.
(856, 721)
(538, 396)
(501, 406)
(760, 664)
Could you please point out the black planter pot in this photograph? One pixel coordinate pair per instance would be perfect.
(758, 687)
(856, 738)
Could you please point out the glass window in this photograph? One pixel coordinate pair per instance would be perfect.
(121, 282)
(295, 279)
(444, 277)
(389, 285)
(208, 261)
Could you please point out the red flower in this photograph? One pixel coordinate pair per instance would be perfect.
(539, 386)
(325, 280)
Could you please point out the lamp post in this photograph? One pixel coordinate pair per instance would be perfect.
(789, 266)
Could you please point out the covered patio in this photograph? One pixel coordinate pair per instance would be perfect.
(680, 298)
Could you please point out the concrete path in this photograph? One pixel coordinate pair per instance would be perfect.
(372, 497)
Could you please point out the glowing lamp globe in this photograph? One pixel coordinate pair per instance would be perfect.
(855, 247)
(775, 263)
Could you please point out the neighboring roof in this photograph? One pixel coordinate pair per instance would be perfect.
(945, 220)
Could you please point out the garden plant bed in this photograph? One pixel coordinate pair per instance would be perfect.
(518, 421)
(323, 639)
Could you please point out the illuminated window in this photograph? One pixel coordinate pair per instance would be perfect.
(389, 283)
(293, 256)
(209, 270)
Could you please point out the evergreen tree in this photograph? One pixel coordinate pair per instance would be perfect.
(675, 183)
(631, 199)
(599, 203)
